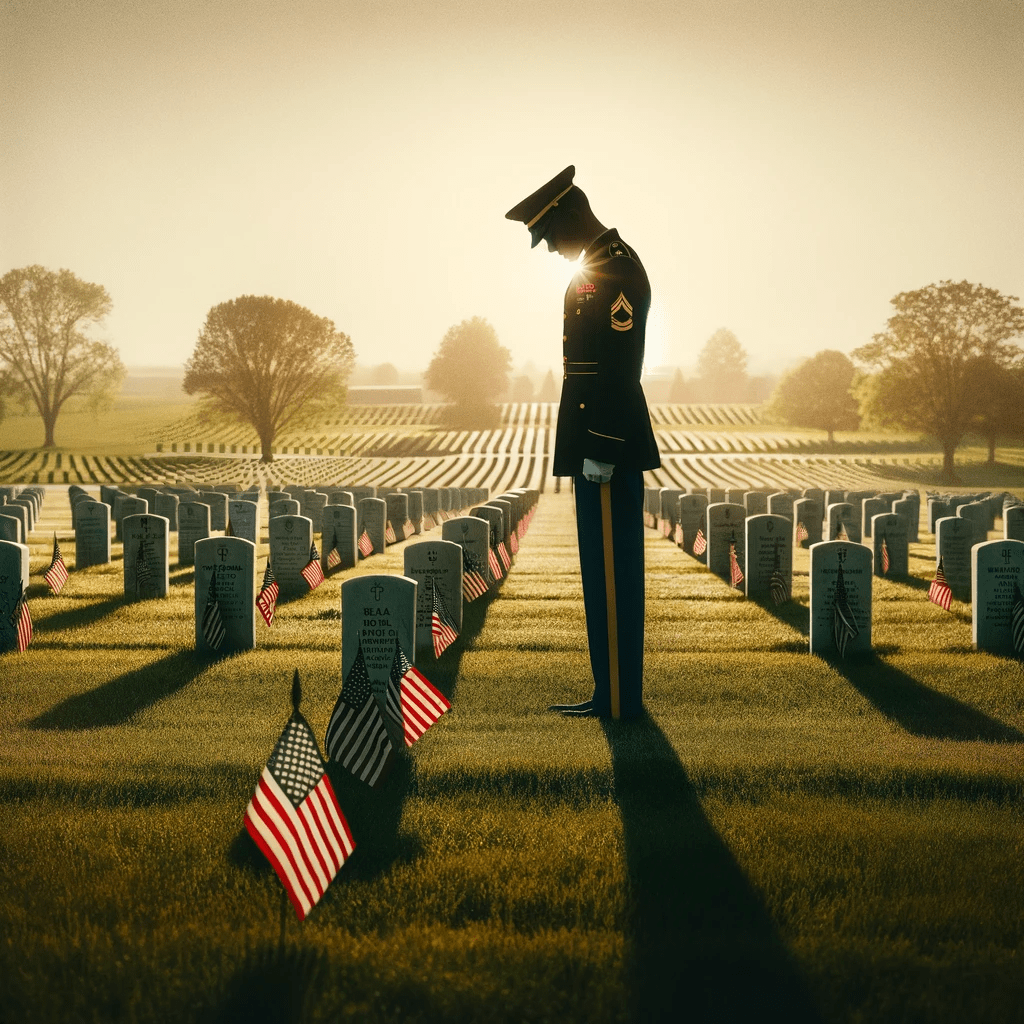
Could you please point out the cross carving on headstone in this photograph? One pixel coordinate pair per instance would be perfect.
(376, 590)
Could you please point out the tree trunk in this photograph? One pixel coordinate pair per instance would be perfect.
(266, 446)
(992, 451)
(831, 437)
(49, 423)
(948, 468)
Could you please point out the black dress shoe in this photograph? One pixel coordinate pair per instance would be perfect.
(574, 708)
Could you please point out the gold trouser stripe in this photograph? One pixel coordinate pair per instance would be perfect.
(609, 589)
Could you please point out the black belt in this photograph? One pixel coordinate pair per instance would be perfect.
(578, 369)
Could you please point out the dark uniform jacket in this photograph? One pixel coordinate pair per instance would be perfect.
(603, 413)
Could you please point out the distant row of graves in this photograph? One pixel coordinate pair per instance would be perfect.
(748, 536)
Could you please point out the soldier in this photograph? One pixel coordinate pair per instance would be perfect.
(603, 439)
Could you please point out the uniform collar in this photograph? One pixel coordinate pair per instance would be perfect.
(591, 252)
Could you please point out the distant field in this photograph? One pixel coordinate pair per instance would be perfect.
(785, 838)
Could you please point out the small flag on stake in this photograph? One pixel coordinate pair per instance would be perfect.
(778, 585)
(389, 534)
(885, 556)
(313, 574)
(333, 556)
(841, 533)
(365, 545)
(503, 554)
(212, 624)
(143, 573)
(735, 572)
(357, 737)
(57, 574)
(21, 621)
(801, 532)
(940, 592)
(266, 599)
(474, 584)
(1017, 620)
(700, 544)
(494, 565)
(294, 817)
(844, 626)
(422, 703)
(442, 628)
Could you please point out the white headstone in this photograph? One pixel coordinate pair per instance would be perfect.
(769, 557)
(435, 564)
(840, 598)
(193, 525)
(892, 529)
(92, 534)
(291, 540)
(146, 560)
(997, 568)
(954, 538)
(725, 528)
(225, 589)
(14, 565)
(339, 534)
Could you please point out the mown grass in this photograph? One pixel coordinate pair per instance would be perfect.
(784, 838)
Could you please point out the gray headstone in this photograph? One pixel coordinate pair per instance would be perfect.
(891, 528)
(871, 507)
(284, 507)
(435, 564)
(430, 506)
(1013, 522)
(14, 566)
(807, 518)
(218, 504)
(92, 534)
(937, 509)
(397, 510)
(978, 513)
(909, 511)
(339, 533)
(725, 527)
(23, 514)
(997, 570)
(833, 562)
(371, 519)
(229, 563)
(668, 509)
(10, 528)
(691, 513)
(341, 498)
(473, 535)
(166, 505)
(193, 525)
(126, 505)
(954, 538)
(756, 503)
(313, 503)
(291, 540)
(842, 514)
(32, 510)
(495, 518)
(358, 493)
(834, 496)
(146, 558)
(768, 555)
(716, 495)
(416, 511)
(781, 504)
(244, 519)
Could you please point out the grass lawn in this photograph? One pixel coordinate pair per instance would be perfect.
(783, 838)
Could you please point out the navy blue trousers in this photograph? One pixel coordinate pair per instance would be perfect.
(619, 651)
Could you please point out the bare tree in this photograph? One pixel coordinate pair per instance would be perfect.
(268, 363)
(46, 352)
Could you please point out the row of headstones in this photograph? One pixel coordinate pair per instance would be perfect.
(977, 569)
(19, 511)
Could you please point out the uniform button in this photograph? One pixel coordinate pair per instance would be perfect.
(565, 337)
(577, 312)
(583, 405)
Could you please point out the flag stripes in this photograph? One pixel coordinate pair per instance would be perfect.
(735, 572)
(266, 599)
(844, 625)
(365, 545)
(1017, 620)
(940, 592)
(212, 623)
(884, 556)
(57, 573)
(313, 573)
(422, 703)
(494, 565)
(357, 737)
(21, 621)
(700, 544)
(442, 628)
(389, 534)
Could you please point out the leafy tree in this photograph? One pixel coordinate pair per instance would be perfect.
(722, 368)
(268, 363)
(817, 394)
(548, 389)
(47, 355)
(384, 374)
(999, 396)
(924, 361)
(679, 392)
(471, 370)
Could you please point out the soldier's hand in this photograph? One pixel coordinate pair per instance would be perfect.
(597, 472)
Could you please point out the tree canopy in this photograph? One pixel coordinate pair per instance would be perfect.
(722, 369)
(471, 370)
(925, 364)
(817, 394)
(268, 363)
(47, 354)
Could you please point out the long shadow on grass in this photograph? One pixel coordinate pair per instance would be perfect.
(702, 947)
(918, 708)
(792, 613)
(116, 701)
(83, 615)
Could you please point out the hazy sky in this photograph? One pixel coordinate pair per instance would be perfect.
(783, 168)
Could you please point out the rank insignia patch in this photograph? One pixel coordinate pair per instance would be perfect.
(622, 314)
(617, 249)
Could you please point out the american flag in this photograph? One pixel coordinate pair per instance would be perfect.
(441, 626)
(57, 574)
(408, 529)
(365, 545)
(21, 620)
(212, 624)
(427, 523)
(940, 592)
(494, 565)
(778, 584)
(474, 584)
(1017, 619)
(266, 599)
(333, 557)
(357, 737)
(422, 703)
(885, 556)
(700, 544)
(312, 573)
(801, 532)
(389, 534)
(844, 626)
(677, 534)
(513, 542)
(143, 573)
(294, 817)
(735, 572)
(841, 533)
(666, 528)
(503, 554)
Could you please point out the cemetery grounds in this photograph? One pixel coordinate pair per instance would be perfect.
(784, 838)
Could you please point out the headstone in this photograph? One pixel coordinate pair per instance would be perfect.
(473, 535)
(291, 540)
(313, 503)
(716, 495)
(756, 503)
(937, 509)
(781, 504)
(890, 528)
(725, 528)
(734, 495)
(1013, 522)
(978, 513)
(842, 515)
(954, 538)
(378, 615)
(341, 498)
(244, 518)
(92, 534)
(495, 518)
(10, 527)
(193, 525)
(870, 507)
(358, 493)
(218, 503)
(148, 494)
(416, 511)
(691, 512)
(997, 571)
(339, 534)
(397, 510)
(14, 566)
(768, 547)
(909, 511)
(125, 505)
(833, 496)
(273, 496)
(166, 505)
(225, 588)
(26, 502)
(146, 560)
(840, 598)
(668, 509)
(284, 507)
(807, 520)
(371, 520)
(435, 564)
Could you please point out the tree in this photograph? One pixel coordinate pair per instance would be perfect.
(679, 392)
(548, 389)
(722, 368)
(46, 351)
(268, 363)
(925, 359)
(384, 374)
(999, 396)
(471, 370)
(817, 394)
